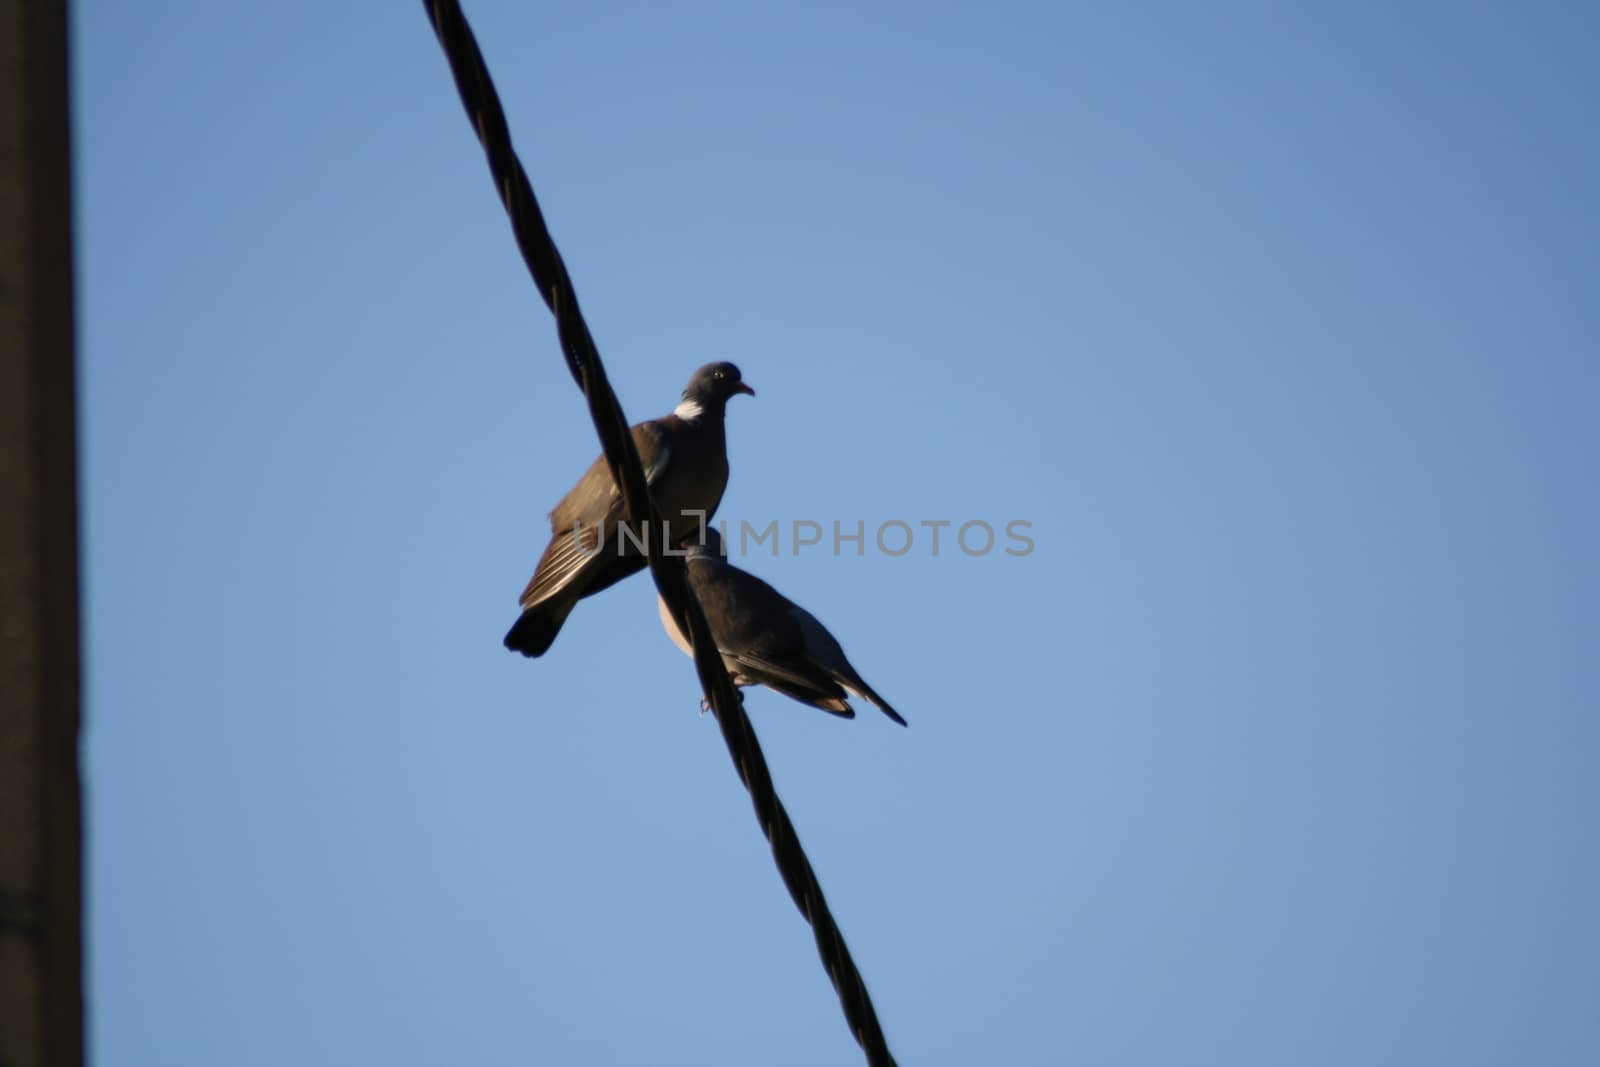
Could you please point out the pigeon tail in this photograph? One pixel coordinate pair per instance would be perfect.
(535, 631)
(862, 689)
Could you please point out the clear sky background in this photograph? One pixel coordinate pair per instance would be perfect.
(1277, 322)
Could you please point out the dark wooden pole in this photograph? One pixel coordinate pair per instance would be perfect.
(41, 836)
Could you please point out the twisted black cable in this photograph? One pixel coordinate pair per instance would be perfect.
(544, 262)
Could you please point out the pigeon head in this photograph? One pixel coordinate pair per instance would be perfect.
(710, 389)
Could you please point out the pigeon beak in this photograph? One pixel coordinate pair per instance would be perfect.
(745, 389)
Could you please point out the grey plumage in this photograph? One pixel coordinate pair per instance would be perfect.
(767, 639)
(685, 460)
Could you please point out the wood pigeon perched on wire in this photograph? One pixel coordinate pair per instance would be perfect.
(767, 639)
(685, 459)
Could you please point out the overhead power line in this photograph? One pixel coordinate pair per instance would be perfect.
(549, 272)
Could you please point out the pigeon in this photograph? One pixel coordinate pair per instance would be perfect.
(767, 639)
(685, 459)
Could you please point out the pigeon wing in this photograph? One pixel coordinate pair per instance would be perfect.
(590, 511)
(823, 649)
(758, 633)
(596, 499)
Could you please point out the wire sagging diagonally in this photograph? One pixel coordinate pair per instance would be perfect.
(549, 272)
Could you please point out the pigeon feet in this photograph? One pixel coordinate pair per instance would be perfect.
(705, 702)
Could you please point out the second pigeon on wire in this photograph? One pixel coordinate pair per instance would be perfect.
(767, 639)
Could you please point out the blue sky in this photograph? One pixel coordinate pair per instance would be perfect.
(1276, 322)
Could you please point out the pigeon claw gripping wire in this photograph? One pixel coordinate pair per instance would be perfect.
(705, 702)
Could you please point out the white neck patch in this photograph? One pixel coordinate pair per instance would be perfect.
(688, 410)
